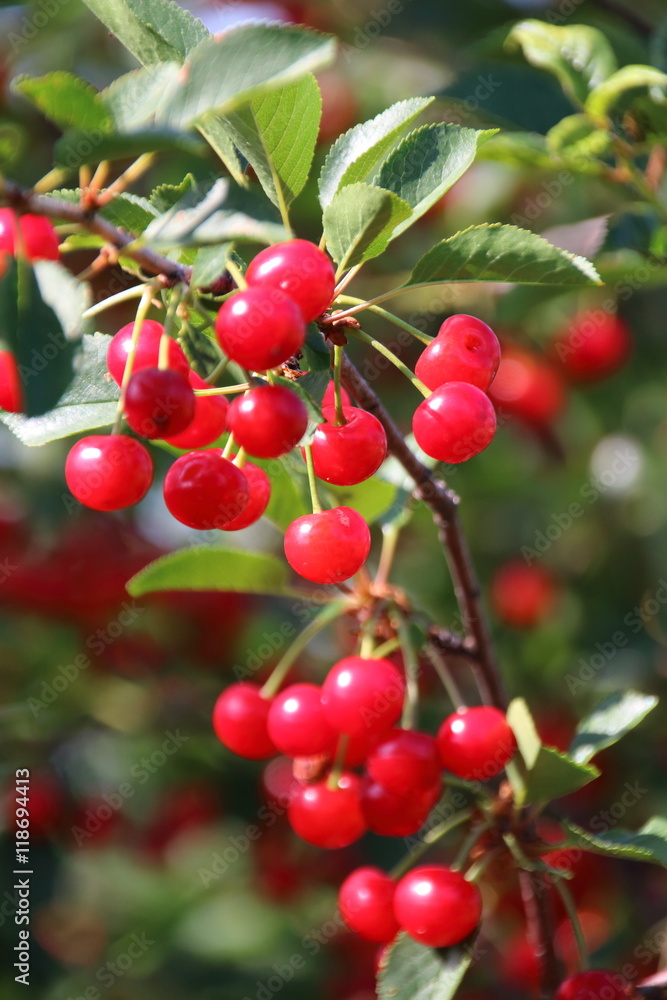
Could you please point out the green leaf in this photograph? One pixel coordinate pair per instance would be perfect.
(276, 133)
(609, 722)
(68, 297)
(31, 329)
(152, 30)
(427, 163)
(316, 354)
(548, 773)
(12, 143)
(372, 498)
(647, 844)
(132, 99)
(223, 73)
(213, 569)
(210, 263)
(602, 99)
(213, 129)
(359, 223)
(358, 152)
(89, 402)
(578, 55)
(129, 211)
(165, 196)
(576, 137)
(287, 500)
(75, 148)
(66, 100)
(409, 971)
(495, 252)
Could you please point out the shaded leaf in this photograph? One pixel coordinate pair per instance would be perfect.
(132, 99)
(647, 844)
(66, 100)
(609, 722)
(409, 971)
(358, 152)
(577, 138)
(74, 148)
(210, 263)
(359, 223)
(153, 30)
(316, 354)
(213, 569)
(603, 98)
(372, 498)
(128, 211)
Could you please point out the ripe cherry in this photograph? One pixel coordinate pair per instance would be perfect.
(328, 547)
(522, 595)
(436, 906)
(362, 695)
(465, 350)
(456, 422)
(405, 761)
(147, 351)
(108, 471)
(208, 423)
(596, 344)
(299, 269)
(329, 397)
(240, 719)
(260, 328)
(476, 743)
(366, 903)
(297, 724)
(352, 452)
(591, 985)
(40, 240)
(205, 490)
(11, 389)
(328, 817)
(259, 494)
(527, 387)
(268, 421)
(159, 402)
(393, 815)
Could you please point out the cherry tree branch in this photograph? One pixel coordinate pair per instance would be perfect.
(537, 906)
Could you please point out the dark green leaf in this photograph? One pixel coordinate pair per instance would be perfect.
(213, 569)
(359, 223)
(276, 133)
(214, 130)
(153, 30)
(316, 354)
(240, 65)
(210, 263)
(427, 163)
(287, 501)
(358, 152)
(609, 722)
(74, 149)
(578, 55)
(372, 498)
(409, 971)
(577, 138)
(89, 402)
(12, 143)
(494, 252)
(602, 99)
(66, 100)
(648, 844)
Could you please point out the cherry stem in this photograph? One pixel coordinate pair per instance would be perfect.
(217, 372)
(339, 760)
(411, 663)
(396, 361)
(386, 648)
(367, 649)
(390, 536)
(468, 844)
(142, 312)
(241, 458)
(312, 480)
(229, 446)
(320, 621)
(128, 293)
(236, 273)
(339, 354)
(477, 869)
(390, 317)
(442, 670)
(429, 839)
(169, 327)
(539, 918)
(571, 909)
(271, 377)
(223, 390)
(128, 177)
(345, 281)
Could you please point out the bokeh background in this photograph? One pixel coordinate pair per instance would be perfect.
(146, 882)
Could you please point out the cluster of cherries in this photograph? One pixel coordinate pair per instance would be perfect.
(349, 724)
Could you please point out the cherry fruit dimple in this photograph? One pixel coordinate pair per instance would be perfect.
(465, 350)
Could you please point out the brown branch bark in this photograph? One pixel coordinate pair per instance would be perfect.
(444, 504)
(535, 895)
(54, 208)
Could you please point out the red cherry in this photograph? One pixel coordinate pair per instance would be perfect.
(329, 397)
(527, 387)
(158, 402)
(205, 490)
(328, 817)
(147, 351)
(456, 422)
(11, 389)
(40, 240)
(359, 747)
(596, 984)
(393, 815)
(259, 494)
(363, 695)
(366, 903)
(268, 421)
(404, 762)
(476, 743)
(522, 595)
(596, 344)
(240, 719)
(299, 269)
(348, 454)
(208, 423)
(260, 328)
(297, 724)
(436, 906)
(465, 350)
(108, 471)
(328, 547)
